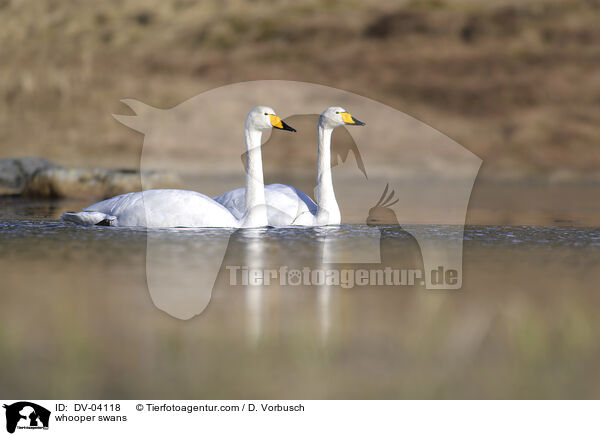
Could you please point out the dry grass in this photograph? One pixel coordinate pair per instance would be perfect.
(512, 81)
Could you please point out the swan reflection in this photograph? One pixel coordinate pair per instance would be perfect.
(253, 243)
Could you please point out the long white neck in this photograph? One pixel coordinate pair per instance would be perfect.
(328, 211)
(255, 213)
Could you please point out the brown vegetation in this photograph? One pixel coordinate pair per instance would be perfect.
(514, 82)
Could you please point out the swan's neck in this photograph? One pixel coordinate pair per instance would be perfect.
(328, 211)
(255, 209)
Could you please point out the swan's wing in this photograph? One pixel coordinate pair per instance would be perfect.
(233, 201)
(161, 208)
(286, 203)
(292, 200)
(181, 208)
(115, 204)
(311, 206)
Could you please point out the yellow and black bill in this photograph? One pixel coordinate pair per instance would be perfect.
(350, 120)
(277, 123)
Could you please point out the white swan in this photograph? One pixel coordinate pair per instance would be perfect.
(287, 205)
(180, 208)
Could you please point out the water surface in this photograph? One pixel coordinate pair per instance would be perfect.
(77, 318)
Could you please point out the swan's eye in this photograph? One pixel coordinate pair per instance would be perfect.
(337, 112)
(266, 113)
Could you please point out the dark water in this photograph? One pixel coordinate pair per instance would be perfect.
(96, 312)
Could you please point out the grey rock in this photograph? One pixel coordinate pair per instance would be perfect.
(37, 177)
(16, 173)
(95, 183)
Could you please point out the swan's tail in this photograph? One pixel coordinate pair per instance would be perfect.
(90, 218)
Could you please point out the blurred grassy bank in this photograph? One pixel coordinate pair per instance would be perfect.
(512, 81)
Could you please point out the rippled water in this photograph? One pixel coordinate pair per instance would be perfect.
(78, 318)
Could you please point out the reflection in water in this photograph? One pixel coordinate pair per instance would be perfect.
(181, 268)
(527, 311)
(325, 293)
(253, 254)
(441, 254)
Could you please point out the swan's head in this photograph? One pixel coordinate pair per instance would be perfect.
(336, 116)
(264, 118)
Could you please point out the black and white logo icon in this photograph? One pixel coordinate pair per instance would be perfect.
(26, 415)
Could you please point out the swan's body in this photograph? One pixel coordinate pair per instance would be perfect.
(284, 203)
(287, 205)
(156, 208)
(180, 208)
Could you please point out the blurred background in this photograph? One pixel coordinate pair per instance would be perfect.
(512, 81)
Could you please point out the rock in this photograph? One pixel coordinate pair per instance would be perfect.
(95, 183)
(36, 177)
(16, 173)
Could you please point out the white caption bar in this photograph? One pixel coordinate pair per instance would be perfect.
(301, 417)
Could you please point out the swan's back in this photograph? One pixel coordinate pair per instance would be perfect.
(164, 208)
(290, 200)
(284, 203)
